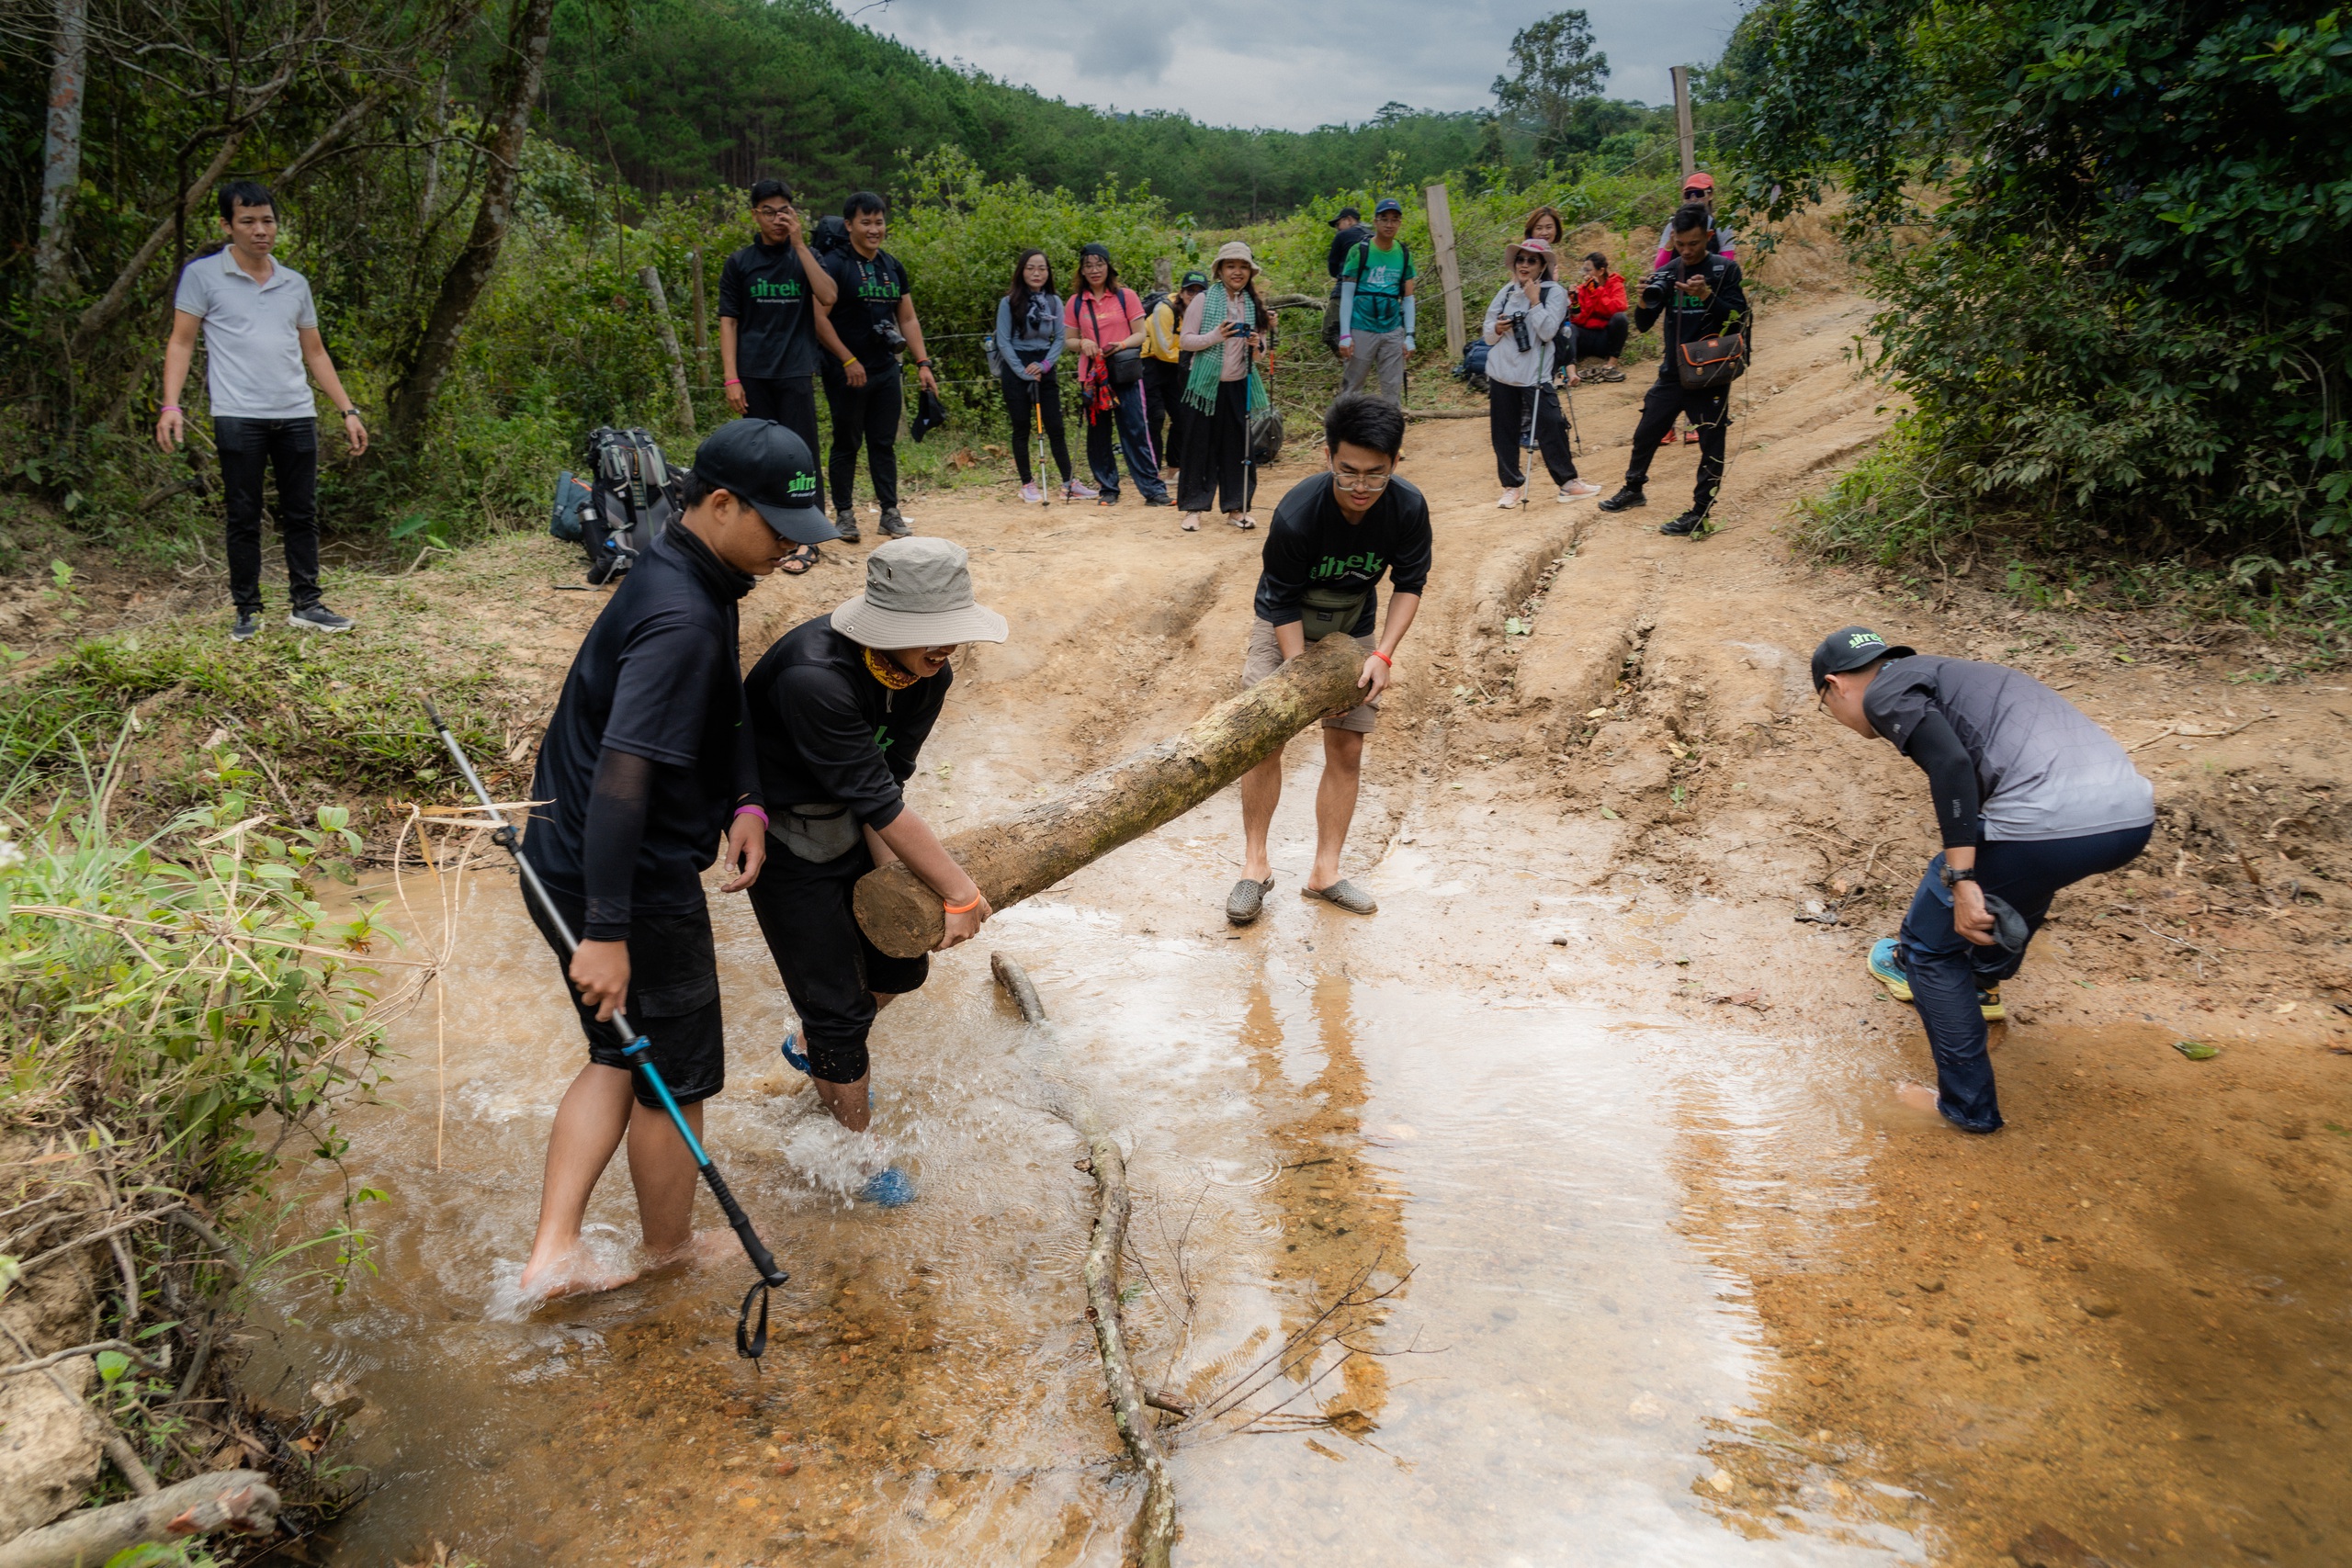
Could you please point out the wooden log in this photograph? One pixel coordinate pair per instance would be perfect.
(225, 1500)
(1018, 857)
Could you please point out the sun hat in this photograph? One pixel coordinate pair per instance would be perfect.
(918, 594)
(1531, 245)
(1849, 649)
(1235, 249)
(1387, 204)
(760, 462)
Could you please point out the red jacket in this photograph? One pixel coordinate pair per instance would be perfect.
(1598, 300)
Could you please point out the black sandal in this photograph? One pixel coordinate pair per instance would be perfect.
(798, 563)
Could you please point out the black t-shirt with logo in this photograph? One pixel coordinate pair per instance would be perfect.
(867, 291)
(764, 291)
(656, 678)
(829, 730)
(1311, 544)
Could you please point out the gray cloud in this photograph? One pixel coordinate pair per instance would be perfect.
(1294, 65)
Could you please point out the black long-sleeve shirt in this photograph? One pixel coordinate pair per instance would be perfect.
(829, 730)
(1689, 318)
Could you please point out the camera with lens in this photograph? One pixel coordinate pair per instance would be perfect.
(1654, 292)
(887, 331)
(1519, 337)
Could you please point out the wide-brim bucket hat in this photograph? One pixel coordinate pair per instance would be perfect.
(1530, 247)
(1233, 251)
(918, 594)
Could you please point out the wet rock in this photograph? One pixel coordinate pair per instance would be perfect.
(2045, 1547)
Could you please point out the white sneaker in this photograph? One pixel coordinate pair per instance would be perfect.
(1509, 500)
(1034, 495)
(1577, 490)
(1078, 489)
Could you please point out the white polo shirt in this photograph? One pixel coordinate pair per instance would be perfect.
(253, 346)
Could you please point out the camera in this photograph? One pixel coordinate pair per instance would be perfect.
(1518, 333)
(892, 338)
(1654, 292)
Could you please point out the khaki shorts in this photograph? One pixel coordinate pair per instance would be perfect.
(1266, 657)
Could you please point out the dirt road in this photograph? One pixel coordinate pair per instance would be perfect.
(1601, 781)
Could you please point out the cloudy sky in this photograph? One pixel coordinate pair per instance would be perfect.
(1289, 64)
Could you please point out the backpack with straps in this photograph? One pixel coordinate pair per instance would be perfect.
(628, 496)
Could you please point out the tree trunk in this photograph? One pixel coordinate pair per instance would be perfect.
(668, 332)
(104, 314)
(514, 85)
(60, 172)
(228, 1499)
(1023, 855)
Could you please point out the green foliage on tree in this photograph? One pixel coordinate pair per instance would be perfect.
(2111, 241)
(1554, 85)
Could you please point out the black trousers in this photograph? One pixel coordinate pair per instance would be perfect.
(1216, 448)
(1512, 414)
(867, 414)
(250, 448)
(1602, 343)
(672, 998)
(830, 969)
(791, 401)
(1044, 395)
(1710, 416)
(1165, 409)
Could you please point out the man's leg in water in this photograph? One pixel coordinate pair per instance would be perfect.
(1261, 791)
(1335, 802)
(850, 1102)
(596, 1112)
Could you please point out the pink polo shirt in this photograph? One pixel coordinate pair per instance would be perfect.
(1104, 318)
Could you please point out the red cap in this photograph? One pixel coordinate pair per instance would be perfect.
(1699, 182)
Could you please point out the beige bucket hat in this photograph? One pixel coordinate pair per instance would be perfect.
(918, 594)
(1235, 249)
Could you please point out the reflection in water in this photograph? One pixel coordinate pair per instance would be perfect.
(1543, 1389)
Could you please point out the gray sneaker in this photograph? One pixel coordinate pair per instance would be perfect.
(845, 524)
(248, 626)
(318, 618)
(896, 525)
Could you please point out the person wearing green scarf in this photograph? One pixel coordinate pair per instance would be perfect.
(1226, 329)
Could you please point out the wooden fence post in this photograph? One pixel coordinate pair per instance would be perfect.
(1449, 267)
(1682, 121)
(652, 279)
(1164, 274)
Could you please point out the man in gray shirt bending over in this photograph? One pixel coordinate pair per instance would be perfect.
(261, 331)
(2030, 795)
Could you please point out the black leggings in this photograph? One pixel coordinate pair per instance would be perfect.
(1509, 411)
(870, 414)
(830, 969)
(1601, 342)
(791, 401)
(1044, 394)
(1165, 409)
(1216, 446)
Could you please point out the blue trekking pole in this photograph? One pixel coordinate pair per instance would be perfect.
(750, 1343)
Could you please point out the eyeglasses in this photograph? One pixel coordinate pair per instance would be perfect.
(1362, 484)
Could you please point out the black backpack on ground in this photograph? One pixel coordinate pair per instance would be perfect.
(629, 494)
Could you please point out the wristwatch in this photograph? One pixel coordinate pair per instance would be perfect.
(352, 412)
(1952, 873)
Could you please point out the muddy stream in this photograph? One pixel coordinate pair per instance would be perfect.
(1537, 1384)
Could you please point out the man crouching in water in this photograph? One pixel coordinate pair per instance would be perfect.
(842, 705)
(645, 766)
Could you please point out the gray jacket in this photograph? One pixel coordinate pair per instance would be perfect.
(1506, 363)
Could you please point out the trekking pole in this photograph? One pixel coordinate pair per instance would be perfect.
(751, 1344)
(1037, 413)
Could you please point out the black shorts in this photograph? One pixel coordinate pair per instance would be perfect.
(830, 969)
(672, 999)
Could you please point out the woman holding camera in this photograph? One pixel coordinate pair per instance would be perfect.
(1029, 339)
(1523, 411)
(1225, 331)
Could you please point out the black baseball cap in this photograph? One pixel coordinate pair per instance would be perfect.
(1195, 280)
(760, 462)
(1345, 215)
(1851, 648)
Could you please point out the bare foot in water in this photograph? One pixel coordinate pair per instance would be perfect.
(1917, 1096)
(574, 1273)
(703, 1248)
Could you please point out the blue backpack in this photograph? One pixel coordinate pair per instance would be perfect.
(1473, 368)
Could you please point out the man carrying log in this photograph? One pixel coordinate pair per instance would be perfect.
(841, 707)
(1333, 537)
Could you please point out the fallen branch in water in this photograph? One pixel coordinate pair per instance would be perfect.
(230, 1499)
(1156, 1524)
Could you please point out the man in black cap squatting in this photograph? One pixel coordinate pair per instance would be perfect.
(644, 770)
(842, 705)
(2029, 797)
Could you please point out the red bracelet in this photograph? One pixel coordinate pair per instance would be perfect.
(963, 908)
(1384, 659)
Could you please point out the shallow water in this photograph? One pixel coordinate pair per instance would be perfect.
(1550, 1361)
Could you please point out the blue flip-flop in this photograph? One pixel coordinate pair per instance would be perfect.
(889, 1187)
(799, 1063)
